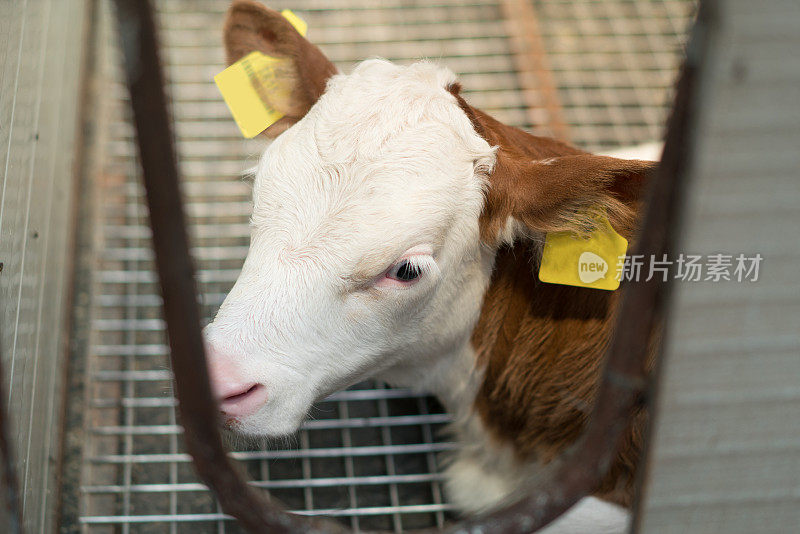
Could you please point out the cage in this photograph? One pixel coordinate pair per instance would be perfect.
(368, 455)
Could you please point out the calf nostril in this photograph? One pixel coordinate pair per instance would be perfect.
(243, 400)
(241, 394)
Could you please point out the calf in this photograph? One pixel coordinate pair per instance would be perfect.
(396, 234)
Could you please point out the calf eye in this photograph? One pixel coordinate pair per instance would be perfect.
(405, 271)
(417, 264)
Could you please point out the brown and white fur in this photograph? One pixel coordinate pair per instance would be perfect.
(385, 170)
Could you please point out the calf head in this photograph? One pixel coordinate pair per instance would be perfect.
(378, 212)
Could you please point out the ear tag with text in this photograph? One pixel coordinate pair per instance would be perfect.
(585, 261)
(256, 86)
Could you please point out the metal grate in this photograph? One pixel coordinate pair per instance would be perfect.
(614, 62)
(368, 455)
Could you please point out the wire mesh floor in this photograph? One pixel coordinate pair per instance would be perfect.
(368, 455)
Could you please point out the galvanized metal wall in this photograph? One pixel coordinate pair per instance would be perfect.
(41, 51)
(726, 454)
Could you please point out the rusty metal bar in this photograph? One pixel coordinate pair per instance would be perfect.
(176, 276)
(574, 475)
(678, 156)
(539, 88)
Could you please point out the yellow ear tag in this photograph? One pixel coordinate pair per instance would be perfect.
(584, 261)
(299, 24)
(256, 86)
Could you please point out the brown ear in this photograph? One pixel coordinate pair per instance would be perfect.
(558, 193)
(539, 184)
(250, 27)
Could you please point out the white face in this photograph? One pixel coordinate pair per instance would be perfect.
(365, 256)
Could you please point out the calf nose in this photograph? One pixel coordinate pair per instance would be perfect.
(237, 397)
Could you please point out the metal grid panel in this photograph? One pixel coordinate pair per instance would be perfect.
(615, 63)
(368, 455)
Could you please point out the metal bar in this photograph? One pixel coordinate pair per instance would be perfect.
(539, 88)
(430, 458)
(8, 474)
(291, 483)
(176, 275)
(349, 465)
(678, 158)
(391, 468)
(321, 424)
(330, 452)
(302, 514)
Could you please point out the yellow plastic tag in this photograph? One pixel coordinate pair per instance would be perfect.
(591, 261)
(299, 24)
(255, 86)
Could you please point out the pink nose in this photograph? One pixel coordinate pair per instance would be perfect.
(237, 397)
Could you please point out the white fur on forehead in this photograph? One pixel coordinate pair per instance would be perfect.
(361, 112)
(384, 145)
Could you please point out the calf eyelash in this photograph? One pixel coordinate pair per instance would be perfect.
(409, 269)
(422, 263)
